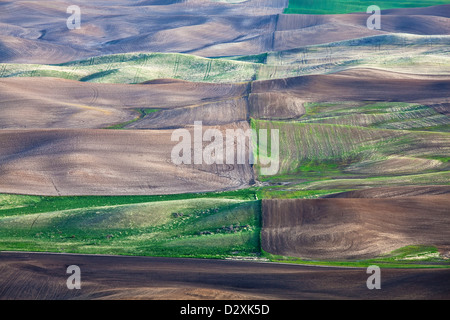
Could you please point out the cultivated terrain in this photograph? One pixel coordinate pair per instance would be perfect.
(87, 118)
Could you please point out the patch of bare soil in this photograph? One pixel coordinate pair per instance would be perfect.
(352, 229)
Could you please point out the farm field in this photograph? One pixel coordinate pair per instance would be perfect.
(31, 103)
(324, 228)
(212, 29)
(405, 53)
(349, 6)
(38, 277)
(197, 227)
(229, 225)
(91, 120)
(357, 151)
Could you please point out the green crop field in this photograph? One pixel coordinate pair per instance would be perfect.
(24, 204)
(133, 225)
(212, 227)
(396, 52)
(349, 6)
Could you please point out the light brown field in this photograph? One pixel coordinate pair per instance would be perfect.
(107, 162)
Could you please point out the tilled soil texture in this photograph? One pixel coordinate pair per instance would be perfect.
(43, 276)
(109, 162)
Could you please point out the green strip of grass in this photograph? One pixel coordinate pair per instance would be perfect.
(142, 113)
(349, 6)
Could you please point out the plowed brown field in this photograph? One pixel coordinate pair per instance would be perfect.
(352, 229)
(43, 276)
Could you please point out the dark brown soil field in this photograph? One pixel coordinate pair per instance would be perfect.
(199, 27)
(43, 277)
(352, 229)
(67, 161)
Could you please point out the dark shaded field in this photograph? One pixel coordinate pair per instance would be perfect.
(43, 276)
(200, 27)
(353, 229)
(394, 192)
